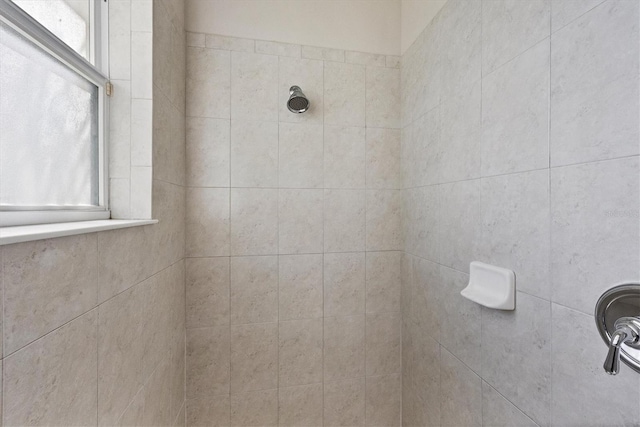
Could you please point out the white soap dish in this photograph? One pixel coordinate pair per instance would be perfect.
(491, 286)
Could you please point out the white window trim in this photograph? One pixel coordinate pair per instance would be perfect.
(21, 21)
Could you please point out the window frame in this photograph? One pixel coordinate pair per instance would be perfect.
(22, 22)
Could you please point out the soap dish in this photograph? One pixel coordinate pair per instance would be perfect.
(491, 286)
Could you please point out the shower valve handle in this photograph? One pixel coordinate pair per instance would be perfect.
(627, 332)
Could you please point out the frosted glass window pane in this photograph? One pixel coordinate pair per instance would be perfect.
(67, 19)
(48, 129)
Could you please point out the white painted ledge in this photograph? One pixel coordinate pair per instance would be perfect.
(27, 233)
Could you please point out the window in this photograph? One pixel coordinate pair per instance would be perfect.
(53, 105)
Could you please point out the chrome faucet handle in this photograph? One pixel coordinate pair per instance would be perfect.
(627, 332)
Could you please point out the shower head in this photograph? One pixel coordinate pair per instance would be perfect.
(298, 103)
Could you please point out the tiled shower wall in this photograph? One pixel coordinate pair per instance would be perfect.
(293, 236)
(93, 325)
(520, 149)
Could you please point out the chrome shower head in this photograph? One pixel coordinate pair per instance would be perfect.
(298, 103)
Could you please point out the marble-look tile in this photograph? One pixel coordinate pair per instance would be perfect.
(384, 220)
(515, 225)
(208, 83)
(583, 393)
(424, 156)
(461, 315)
(424, 79)
(322, 53)
(277, 48)
(120, 129)
(364, 58)
(308, 75)
(460, 129)
(208, 364)
(214, 41)
(178, 377)
(393, 61)
(254, 289)
(421, 222)
(344, 220)
(53, 381)
(515, 114)
(565, 11)
(46, 284)
(382, 97)
(120, 354)
(344, 157)
(460, 393)
(518, 367)
(207, 292)
(407, 285)
(169, 205)
(460, 25)
(344, 284)
(134, 414)
(499, 412)
(195, 39)
(254, 87)
(207, 222)
(383, 403)
(141, 132)
(157, 397)
(300, 406)
(254, 154)
(300, 287)
(255, 408)
(594, 230)
(208, 152)
(140, 197)
(383, 282)
(254, 357)
(426, 378)
(254, 221)
(300, 352)
(509, 27)
(300, 221)
(460, 223)
(594, 62)
(407, 157)
(383, 344)
(344, 346)
(209, 412)
(301, 151)
(344, 402)
(383, 158)
(344, 94)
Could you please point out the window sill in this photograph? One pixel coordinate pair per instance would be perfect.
(27, 233)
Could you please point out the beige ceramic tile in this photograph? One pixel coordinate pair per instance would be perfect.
(363, 58)
(383, 97)
(344, 157)
(308, 75)
(344, 347)
(254, 154)
(344, 94)
(214, 41)
(207, 292)
(301, 156)
(254, 357)
(300, 406)
(208, 364)
(344, 402)
(209, 412)
(344, 220)
(256, 408)
(383, 343)
(322, 53)
(383, 158)
(300, 352)
(300, 287)
(383, 282)
(254, 221)
(384, 220)
(46, 284)
(300, 216)
(384, 400)
(207, 222)
(54, 380)
(254, 86)
(279, 49)
(157, 396)
(344, 284)
(254, 289)
(208, 152)
(208, 83)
